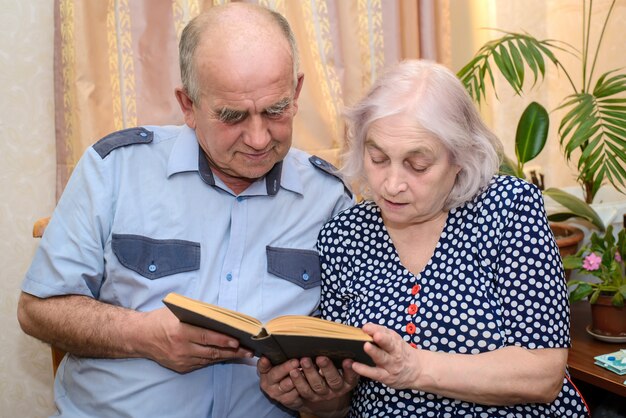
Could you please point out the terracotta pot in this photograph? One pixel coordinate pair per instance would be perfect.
(607, 319)
(568, 238)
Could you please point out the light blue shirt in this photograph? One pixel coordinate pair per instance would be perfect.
(142, 216)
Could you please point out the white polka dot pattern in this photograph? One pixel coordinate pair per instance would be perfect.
(495, 279)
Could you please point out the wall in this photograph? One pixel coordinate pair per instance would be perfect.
(27, 158)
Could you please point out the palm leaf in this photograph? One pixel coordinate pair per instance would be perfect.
(510, 54)
(575, 206)
(596, 125)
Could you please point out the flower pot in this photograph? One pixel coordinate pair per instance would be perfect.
(606, 319)
(568, 238)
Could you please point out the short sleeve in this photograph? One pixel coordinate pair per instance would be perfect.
(70, 256)
(530, 281)
(334, 268)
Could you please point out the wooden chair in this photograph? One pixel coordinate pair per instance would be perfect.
(57, 354)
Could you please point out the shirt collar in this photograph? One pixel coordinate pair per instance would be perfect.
(184, 154)
(187, 156)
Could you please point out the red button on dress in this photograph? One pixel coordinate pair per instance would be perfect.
(413, 345)
(412, 309)
(410, 328)
(415, 289)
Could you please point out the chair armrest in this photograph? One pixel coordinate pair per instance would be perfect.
(40, 226)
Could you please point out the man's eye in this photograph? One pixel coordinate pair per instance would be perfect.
(275, 114)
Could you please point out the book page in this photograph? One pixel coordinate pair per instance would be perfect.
(311, 326)
(235, 319)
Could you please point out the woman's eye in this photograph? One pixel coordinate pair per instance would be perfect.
(378, 160)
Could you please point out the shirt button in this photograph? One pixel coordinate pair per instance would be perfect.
(305, 277)
(412, 309)
(152, 268)
(229, 277)
(410, 328)
(240, 198)
(415, 289)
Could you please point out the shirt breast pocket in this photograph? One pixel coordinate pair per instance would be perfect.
(155, 258)
(300, 267)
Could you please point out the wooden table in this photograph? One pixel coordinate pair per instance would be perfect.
(585, 348)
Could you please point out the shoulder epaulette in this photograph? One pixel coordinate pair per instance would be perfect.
(328, 168)
(122, 138)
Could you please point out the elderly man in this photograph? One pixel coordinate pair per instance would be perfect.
(220, 209)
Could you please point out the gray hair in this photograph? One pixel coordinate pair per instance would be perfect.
(192, 35)
(438, 102)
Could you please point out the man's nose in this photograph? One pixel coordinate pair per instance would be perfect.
(257, 135)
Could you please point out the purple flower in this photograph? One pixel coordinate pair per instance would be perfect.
(618, 257)
(592, 262)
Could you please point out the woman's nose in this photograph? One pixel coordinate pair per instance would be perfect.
(395, 182)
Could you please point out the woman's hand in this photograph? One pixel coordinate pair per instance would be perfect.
(490, 378)
(397, 363)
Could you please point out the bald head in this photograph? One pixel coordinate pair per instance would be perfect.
(234, 29)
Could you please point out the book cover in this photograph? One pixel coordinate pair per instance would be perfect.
(280, 339)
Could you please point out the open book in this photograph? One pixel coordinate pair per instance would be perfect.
(280, 339)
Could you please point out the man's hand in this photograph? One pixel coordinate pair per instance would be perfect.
(183, 347)
(312, 387)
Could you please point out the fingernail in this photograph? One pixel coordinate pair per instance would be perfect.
(233, 343)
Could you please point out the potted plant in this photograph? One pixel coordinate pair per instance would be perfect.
(603, 260)
(592, 130)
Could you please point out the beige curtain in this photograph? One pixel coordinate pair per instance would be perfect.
(116, 63)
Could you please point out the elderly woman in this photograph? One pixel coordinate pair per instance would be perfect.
(451, 268)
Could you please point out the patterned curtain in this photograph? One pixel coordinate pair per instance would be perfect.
(116, 63)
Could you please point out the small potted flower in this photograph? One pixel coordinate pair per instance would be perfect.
(603, 261)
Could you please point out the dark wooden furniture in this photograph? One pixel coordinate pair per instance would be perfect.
(585, 348)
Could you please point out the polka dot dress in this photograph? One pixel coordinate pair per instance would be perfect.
(495, 280)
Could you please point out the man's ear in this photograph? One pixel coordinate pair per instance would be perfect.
(297, 92)
(186, 106)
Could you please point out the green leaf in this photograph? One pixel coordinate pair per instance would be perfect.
(572, 262)
(532, 132)
(580, 292)
(594, 296)
(504, 64)
(575, 206)
(537, 56)
(508, 167)
(561, 216)
(518, 63)
(529, 58)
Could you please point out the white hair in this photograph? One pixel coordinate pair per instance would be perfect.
(438, 102)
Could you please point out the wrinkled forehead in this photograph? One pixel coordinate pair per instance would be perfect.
(256, 70)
